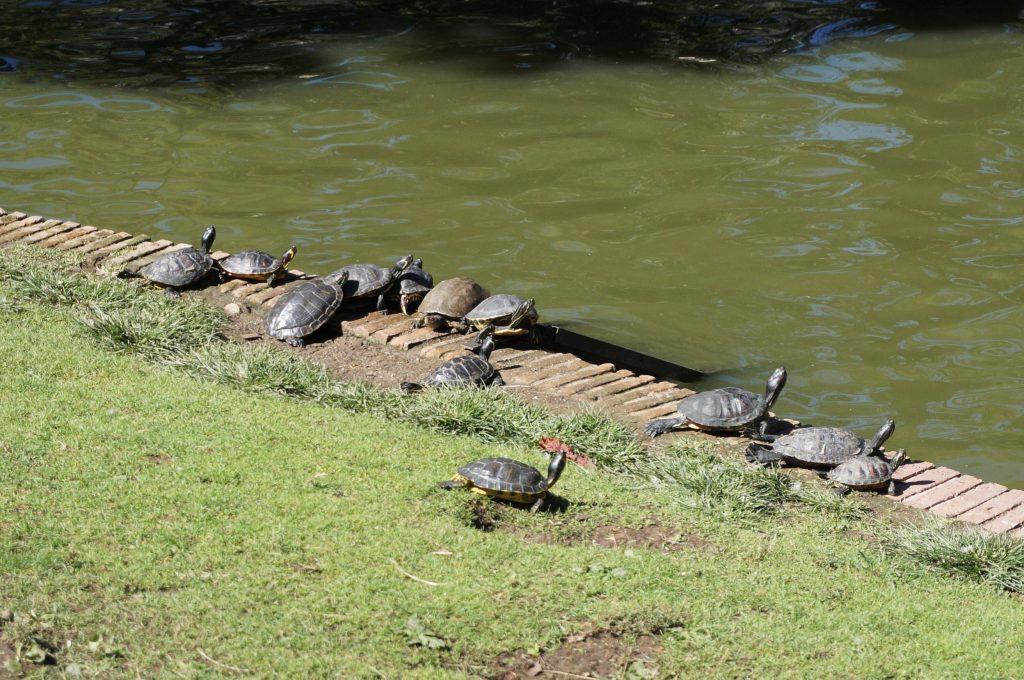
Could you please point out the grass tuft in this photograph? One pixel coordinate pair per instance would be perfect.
(257, 369)
(961, 551)
(153, 327)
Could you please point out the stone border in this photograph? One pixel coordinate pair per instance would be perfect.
(627, 396)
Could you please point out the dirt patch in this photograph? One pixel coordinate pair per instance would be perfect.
(650, 537)
(584, 655)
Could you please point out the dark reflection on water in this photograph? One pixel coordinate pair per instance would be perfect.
(164, 42)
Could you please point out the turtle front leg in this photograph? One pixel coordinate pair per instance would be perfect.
(840, 490)
(497, 381)
(296, 342)
(662, 425)
(762, 455)
(891, 489)
(172, 292)
(382, 306)
(539, 503)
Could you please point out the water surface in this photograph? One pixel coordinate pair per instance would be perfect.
(829, 186)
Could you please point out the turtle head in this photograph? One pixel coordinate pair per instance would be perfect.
(288, 256)
(773, 388)
(522, 312)
(883, 434)
(206, 243)
(555, 467)
(402, 265)
(418, 263)
(338, 277)
(898, 459)
(484, 344)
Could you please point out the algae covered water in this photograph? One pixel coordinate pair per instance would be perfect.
(835, 187)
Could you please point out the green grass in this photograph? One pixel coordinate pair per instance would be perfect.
(156, 524)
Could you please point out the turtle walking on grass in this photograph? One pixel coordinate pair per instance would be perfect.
(180, 269)
(509, 480)
(727, 409)
(255, 265)
(820, 447)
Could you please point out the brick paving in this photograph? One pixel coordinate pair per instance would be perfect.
(631, 397)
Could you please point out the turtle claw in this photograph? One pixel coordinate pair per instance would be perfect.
(660, 426)
(761, 455)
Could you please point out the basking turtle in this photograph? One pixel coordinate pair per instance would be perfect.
(411, 286)
(508, 479)
(466, 370)
(448, 302)
(727, 409)
(306, 308)
(819, 446)
(368, 280)
(867, 472)
(509, 314)
(179, 269)
(255, 265)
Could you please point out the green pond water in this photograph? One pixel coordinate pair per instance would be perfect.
(850, 209)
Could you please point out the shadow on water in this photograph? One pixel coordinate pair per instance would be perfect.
(230, 42)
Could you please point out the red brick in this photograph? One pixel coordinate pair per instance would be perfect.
(59, 228)
(138, 251)
(538, 374)
(100, 253)
(993, 508)
(943, 492)
(443, 345)
(530, 372)
(908, 470)
(585, 371)
(413, 338)
(271, 293)
(369, 325)
(968, 500)
(61, 239)
(8, 218)
(248, 288)
(140, 262)
(16, 225)
(398, 324)
(30, 225)
(581, 386)
(1010, 519)
(923, 481)
(81, 241)
(605, 391)
(656, 397)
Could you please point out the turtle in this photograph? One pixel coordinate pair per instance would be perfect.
(411, 286)
(509, 314)
(819, 446)
(448, 302)
(727, 409)
(465, 370)
(306, 308)
(509, 480)
(255, 265)
(867, 472)
(368, 280)
(179, 269)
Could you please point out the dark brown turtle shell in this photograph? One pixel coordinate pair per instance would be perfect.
(450, 300)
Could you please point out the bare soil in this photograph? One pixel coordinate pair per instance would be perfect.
(600, 654)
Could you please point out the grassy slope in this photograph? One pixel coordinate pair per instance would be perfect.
(168, 516)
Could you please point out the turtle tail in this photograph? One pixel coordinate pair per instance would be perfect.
(408, 387)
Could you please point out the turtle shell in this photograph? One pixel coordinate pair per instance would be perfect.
(453, 298)
(305, 308)
(819, 446)
(366, 280)
(726, 408)
(505, 476)
(863, 472)
(497, 310)
(179, 269)
(469, 369)
(250, 263)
